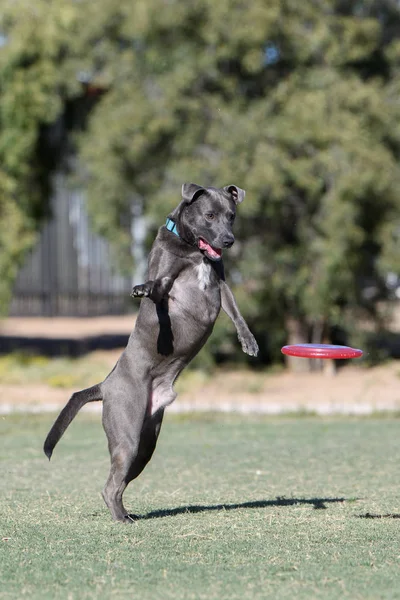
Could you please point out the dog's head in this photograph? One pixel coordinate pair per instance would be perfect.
(205, 217)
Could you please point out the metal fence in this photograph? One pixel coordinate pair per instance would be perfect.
(69, 272)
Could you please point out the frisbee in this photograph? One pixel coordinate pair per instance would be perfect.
(321, 351)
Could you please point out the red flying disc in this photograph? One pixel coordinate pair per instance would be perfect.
(321, 351)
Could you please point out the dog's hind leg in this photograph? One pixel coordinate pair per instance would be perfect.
(147, 444)
(123, 423)
(126, 465)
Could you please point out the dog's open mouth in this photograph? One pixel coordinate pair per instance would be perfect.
(209, 251)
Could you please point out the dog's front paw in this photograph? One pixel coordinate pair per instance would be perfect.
(141, 291)
(249, 344)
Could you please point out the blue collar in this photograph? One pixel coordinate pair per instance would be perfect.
(171, 226)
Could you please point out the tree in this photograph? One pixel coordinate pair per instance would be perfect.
(34, 36)
(295, 102)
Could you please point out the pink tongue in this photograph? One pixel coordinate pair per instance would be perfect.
(203, 245)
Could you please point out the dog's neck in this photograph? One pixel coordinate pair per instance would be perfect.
(180, 248)
(171, 226)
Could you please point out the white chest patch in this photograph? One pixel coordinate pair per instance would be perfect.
(203, 275)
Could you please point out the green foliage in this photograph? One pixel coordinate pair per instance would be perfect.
(21, 368)
(15, 239)
(310, 134)
(295, 102)
(32, 89)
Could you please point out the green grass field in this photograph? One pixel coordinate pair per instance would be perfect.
(232, 508)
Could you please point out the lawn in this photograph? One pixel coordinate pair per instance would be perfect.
(231, 508)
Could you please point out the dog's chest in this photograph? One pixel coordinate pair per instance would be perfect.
(203, 273)
(196, 292)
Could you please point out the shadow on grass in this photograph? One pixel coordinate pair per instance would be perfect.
(372, 516)
(317, 503)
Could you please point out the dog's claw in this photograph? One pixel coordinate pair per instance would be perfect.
(139, 291)
(128, 519)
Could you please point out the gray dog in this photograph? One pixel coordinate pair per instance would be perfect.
(181, 302)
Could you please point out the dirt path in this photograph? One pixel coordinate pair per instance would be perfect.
(354, 390)
(66, 327)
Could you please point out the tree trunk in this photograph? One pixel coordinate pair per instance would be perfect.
(319, 336)
(297, 334)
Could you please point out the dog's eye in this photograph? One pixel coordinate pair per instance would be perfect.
(210, 216)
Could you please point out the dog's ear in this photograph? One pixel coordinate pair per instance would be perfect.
(236, 192)
(190, 191)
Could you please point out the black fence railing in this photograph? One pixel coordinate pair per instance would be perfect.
(69, 272)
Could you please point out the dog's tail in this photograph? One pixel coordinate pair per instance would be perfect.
(75, 403)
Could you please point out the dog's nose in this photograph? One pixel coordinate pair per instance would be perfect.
(228, 241)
